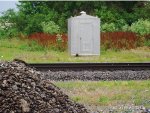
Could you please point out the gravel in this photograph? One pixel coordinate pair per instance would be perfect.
(96, 75)
(118, 109)
(23, 91)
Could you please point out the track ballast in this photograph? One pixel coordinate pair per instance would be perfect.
(94, 71)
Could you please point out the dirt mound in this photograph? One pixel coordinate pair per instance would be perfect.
(23, 91)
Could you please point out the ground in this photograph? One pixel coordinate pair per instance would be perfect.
(108, 93)
(14, 48)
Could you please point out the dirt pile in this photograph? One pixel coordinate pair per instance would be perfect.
(23, 91)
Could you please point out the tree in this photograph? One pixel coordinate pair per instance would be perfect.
(31, 14)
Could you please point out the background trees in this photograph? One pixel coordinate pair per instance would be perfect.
(113, 15)
(51, 16)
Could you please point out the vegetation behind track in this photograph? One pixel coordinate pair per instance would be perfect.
(124, 24)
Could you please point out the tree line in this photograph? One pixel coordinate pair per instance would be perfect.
(41, 16)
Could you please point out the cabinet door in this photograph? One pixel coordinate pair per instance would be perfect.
(86, 38)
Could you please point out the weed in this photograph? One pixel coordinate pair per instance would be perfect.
(147, 43)
(103, 100)
(119, 40)
(77, 98)
(56, 42)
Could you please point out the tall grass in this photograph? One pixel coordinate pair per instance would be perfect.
(109, 40)
(58, 42)
(119, 40)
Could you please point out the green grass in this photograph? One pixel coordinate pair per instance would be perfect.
(14, 48)
(105, 93)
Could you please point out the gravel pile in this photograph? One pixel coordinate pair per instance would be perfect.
(97, 75)
(23, 91)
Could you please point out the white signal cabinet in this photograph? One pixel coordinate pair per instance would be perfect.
(84, 35)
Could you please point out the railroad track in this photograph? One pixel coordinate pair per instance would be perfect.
(93, 66)
(94, 71)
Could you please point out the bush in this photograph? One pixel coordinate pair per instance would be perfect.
(108, 27)
(33, 24)
(11, 32)
(141, 27)
(8, 33)
(147, 40)
(50, 27)
(147, 43)
(2, 33)
(119, 40)
(125, 28)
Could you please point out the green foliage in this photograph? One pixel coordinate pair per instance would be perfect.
(111, 18)
(113, 15)
(50, 27)
(103, 100)
(34, 24)
(2, 33)
(141, 10)
(147, 42)
(8, 26)
(11, 32)
(141, 27)
(8, 33)
(106, 14)
(109, 12)
(108, 27)
(126, 27)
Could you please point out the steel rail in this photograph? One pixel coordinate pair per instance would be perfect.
(106, 66)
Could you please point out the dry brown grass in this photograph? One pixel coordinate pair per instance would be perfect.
(107, 93)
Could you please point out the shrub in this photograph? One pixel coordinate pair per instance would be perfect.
(11, 32)
(108, 27)
(118, 40)
(57, 42)
(2, 33)
(147, 43)
(126, 27)
(147, 40)
(8, 33)
(147, 37)
(119, 23)
(50, 27)
(141, 27)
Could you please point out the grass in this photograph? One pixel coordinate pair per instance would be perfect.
(108, 93)
(14, 48)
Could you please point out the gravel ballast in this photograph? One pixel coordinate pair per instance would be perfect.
(23, 91)
(96, 75)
